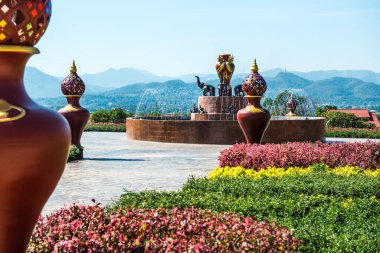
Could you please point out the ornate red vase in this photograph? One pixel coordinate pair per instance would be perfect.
(254, 119)
(225, 68)
(34, 141)
(73, 88)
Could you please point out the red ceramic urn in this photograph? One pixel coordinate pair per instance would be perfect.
(254, 119)
(34, 141)
(73, 88)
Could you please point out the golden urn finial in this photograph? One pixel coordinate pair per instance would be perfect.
(254, 67)
(73, 68)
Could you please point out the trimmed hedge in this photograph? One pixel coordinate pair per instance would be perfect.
(273, 172)
(300, 154)
(353, 134)
(105, 128)
(330, 213)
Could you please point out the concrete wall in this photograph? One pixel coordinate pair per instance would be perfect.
(222, 132)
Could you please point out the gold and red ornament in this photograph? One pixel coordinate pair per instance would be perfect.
(35, 141)
(23, 22)
(73, 84)
(225, 68)
(73, 88)
(254, 119)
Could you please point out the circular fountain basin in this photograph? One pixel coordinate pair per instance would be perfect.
(281, 129)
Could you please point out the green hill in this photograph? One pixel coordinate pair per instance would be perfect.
(178, 96)
(344, 91)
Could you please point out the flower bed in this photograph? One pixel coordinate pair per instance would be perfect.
(273, 172)
(329, 212)
(365, 155)
(91, 229)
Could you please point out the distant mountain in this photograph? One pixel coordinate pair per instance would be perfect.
(39, 84)
(211, 77)
(178, 96)
(138, 88)
(271, 72)
(286, 80)
(114, 78)
(191, 77)
(365, 75)
(339, 90)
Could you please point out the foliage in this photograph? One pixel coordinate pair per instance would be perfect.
(300, 154)
(75, 154)
(117, 115)
(278, 105)
(341, 119)
(331, 213)
(350, 133)
(322, 110)
(105, 128)
(273, 172)
(100, 116)
(91, 229)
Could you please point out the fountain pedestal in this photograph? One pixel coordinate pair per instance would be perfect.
(219, 108)
(216, 122)
(218, 127)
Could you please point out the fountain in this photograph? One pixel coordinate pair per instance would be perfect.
(214, 120)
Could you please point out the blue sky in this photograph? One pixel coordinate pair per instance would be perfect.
(175, 37)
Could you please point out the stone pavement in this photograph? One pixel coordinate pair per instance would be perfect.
(113, 163)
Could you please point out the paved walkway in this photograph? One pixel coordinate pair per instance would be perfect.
(113, 163)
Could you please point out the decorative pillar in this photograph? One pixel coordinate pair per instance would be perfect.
(73, 88)
(34, 141)
(254, 119)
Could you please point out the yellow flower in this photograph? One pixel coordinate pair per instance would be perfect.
(372, 173)
(347, 202)
(346, 171)
(143, 227)
(274, 172)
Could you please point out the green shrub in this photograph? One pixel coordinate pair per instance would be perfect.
(341, 119)
(321, 111)
(117, 115)
(75, 154)
(100, 116)
(105, 128)
(330, 213)
(352, 134)
(279, 106)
